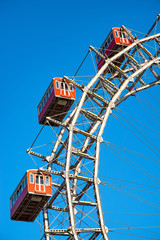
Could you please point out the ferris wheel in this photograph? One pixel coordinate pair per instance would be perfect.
(126, 66)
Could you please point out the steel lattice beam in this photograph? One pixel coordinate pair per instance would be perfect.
(70, 174)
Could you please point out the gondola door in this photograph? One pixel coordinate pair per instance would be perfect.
(39, 183)
(64, 89)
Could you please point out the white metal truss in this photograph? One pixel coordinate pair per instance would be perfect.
(74, 159)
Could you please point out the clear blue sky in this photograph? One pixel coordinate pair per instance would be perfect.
(41, 40)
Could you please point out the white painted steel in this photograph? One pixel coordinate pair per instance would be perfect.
(70, 180)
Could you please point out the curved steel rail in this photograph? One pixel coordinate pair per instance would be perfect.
(128, 81)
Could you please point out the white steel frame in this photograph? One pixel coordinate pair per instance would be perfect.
(70, 175)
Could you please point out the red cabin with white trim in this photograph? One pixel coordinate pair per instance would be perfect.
(30, 196)
(56, 101)
(114, 43)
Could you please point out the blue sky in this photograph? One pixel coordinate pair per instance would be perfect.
(41, 40)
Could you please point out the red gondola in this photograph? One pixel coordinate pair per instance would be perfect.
(115, 41)
(30, 196)
(56, 101)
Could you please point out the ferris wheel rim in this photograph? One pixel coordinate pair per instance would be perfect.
(70, 122)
